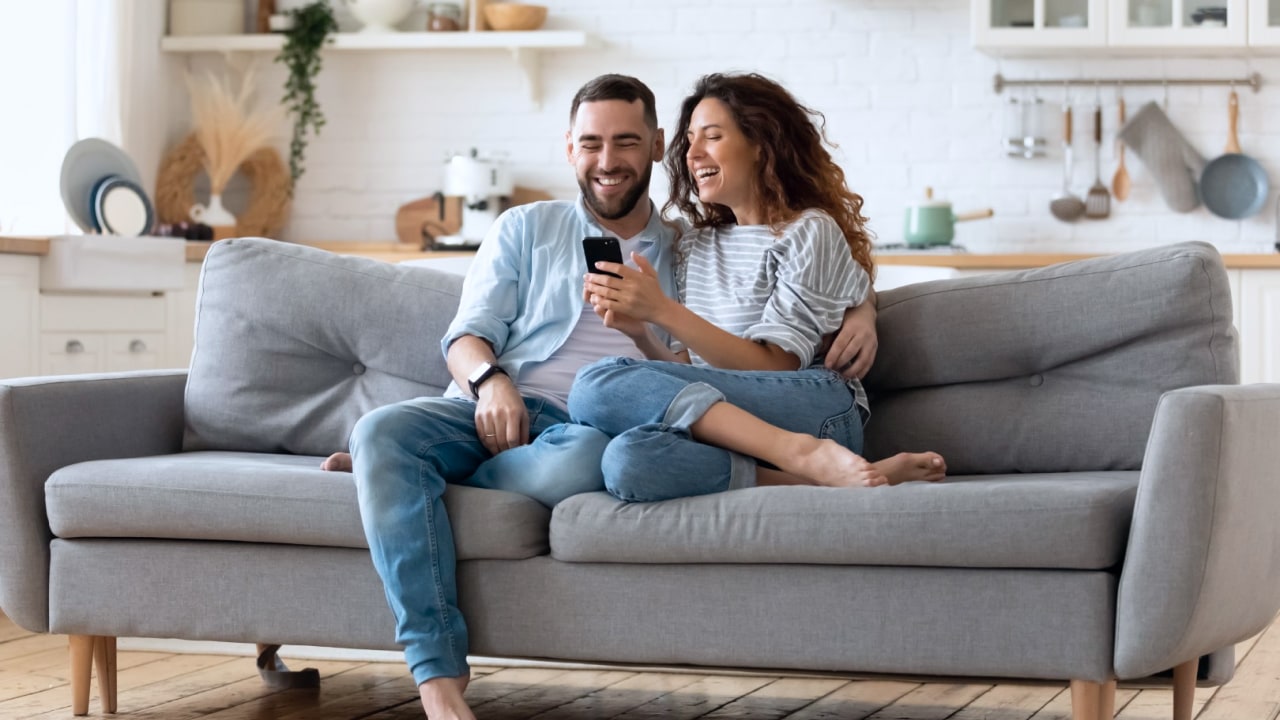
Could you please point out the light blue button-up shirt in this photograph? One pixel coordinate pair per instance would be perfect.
(523, 292)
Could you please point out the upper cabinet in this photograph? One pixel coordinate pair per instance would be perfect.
(1017, 27)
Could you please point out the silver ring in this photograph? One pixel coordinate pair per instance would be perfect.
(490, 434)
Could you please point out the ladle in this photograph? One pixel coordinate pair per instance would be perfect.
(1066, 207)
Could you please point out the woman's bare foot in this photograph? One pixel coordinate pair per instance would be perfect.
(827, 463)
(337, 462)
(442, 698)
(907, 467)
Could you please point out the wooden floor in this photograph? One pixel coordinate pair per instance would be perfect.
(160, 686)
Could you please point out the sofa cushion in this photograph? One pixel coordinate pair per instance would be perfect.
(294, 344)
(1076, 521)
(1047, 370)
(253, 497)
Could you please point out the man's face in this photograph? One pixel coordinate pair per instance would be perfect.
(613, 151)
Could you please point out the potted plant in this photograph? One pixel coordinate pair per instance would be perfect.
(311, 28)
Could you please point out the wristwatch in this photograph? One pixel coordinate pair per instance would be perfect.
(482, 373)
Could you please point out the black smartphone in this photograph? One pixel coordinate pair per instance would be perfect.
(601, 249)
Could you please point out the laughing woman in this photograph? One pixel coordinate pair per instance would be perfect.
(774, 251)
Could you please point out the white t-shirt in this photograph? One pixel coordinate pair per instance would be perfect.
(789, 289)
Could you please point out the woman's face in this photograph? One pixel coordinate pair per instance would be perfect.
(722, 161)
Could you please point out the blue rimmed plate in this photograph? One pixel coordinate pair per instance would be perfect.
(121, 207)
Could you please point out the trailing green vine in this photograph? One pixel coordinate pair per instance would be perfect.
(312, 26)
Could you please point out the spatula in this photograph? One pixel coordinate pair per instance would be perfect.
(1097, 204)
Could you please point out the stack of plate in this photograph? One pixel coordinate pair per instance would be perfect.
(102, 190)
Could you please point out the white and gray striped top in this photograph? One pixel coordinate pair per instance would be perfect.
(789, 289)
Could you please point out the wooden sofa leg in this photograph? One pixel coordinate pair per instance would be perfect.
(104, 663)
(81, 667)
(1092, 700)
(1184, 689)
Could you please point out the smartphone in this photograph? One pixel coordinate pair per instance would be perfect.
(601, 249)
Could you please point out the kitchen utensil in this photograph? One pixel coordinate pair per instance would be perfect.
(1066, 207)
(1172, 161)
(1234, 185)
(1120, 183)
(514, 16)
(87, 163)
(933, 223)
(1097, 204)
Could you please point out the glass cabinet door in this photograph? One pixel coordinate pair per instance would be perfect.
(1178, 23)
(1264, 23)
(1031, 25)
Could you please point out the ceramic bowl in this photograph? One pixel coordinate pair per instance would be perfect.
(514, 16)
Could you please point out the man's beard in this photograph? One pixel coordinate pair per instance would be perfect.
(622, 205)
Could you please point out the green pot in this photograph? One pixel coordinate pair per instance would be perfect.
(932, 223)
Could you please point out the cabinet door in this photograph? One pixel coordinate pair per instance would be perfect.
(71, 353)
(1029, 26)
(1177, 24)
(1260, 326)
(135, 351)
(1264, 23)
(181, 319)
(19, 296)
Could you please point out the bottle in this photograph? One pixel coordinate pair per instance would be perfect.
(444, 17)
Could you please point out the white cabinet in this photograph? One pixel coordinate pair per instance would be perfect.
(84, 333)
(1259, 325)
(1031, 25)
(19, 295)
(1052, 26)
(180, 312)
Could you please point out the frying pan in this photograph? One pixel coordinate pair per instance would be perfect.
(1233, 185)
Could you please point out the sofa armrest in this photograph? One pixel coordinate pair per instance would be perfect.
(1202, 569)
(50, 422)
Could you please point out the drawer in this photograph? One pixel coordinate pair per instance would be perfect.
(71, 353)
(107, 313)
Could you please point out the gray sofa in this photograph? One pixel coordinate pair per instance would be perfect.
(1110, 511)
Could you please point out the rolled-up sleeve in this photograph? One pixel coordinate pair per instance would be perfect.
(490, 294)
(817, 279)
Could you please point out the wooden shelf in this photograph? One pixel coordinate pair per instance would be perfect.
(525, 47)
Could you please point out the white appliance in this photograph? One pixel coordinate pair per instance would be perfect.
(484, 184)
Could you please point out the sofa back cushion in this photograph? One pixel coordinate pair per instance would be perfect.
(294, 344)
(1048, 370)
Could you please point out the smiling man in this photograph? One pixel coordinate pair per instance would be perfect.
(521, 333)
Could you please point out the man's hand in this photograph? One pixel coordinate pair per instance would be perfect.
(502, 421)
(854, 349)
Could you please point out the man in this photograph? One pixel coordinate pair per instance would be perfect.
(521, 333)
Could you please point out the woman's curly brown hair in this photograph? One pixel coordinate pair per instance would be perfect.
(795, 172)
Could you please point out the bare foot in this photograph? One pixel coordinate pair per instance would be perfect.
(827, 463)
(442, 698)
(337, 462)
(906, 467)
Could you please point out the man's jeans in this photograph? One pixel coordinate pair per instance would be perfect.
(404, 455)
(647, 406)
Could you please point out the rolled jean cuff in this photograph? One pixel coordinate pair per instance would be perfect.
(426, 670)
(742, 471)
(690, 404)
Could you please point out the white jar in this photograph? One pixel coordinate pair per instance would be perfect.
(206, 17)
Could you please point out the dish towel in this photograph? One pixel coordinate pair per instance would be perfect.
(1167, 155)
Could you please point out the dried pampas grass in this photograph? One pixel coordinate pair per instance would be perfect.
(227, 129)
(264, 169)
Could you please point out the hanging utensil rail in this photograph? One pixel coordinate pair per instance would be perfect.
(1001, 82)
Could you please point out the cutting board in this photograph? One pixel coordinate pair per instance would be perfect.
(418, 222)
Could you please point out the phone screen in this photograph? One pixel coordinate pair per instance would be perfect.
(601, 249)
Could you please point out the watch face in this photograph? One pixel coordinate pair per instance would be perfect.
(479, 372)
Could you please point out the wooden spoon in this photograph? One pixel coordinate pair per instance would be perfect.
(1120, 183)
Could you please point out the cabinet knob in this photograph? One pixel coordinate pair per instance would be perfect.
(74, 346)
(137, 346)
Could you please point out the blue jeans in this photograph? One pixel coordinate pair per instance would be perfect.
(404, 455)
(648, 406)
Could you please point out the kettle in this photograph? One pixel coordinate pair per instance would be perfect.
(931, 222)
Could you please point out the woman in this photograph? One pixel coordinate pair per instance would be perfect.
(776, 249)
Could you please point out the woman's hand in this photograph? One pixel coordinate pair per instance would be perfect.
(637, 294)
(854, 348)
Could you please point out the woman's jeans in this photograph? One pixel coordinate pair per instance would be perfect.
(404, 455)
(648, 406)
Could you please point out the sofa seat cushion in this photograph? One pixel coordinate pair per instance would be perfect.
(1053, 520)
(255, 497)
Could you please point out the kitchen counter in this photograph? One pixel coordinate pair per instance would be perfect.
(397, 252)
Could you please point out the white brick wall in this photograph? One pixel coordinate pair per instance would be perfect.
(907, 100)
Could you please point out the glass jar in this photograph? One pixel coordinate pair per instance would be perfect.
(444, 16)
